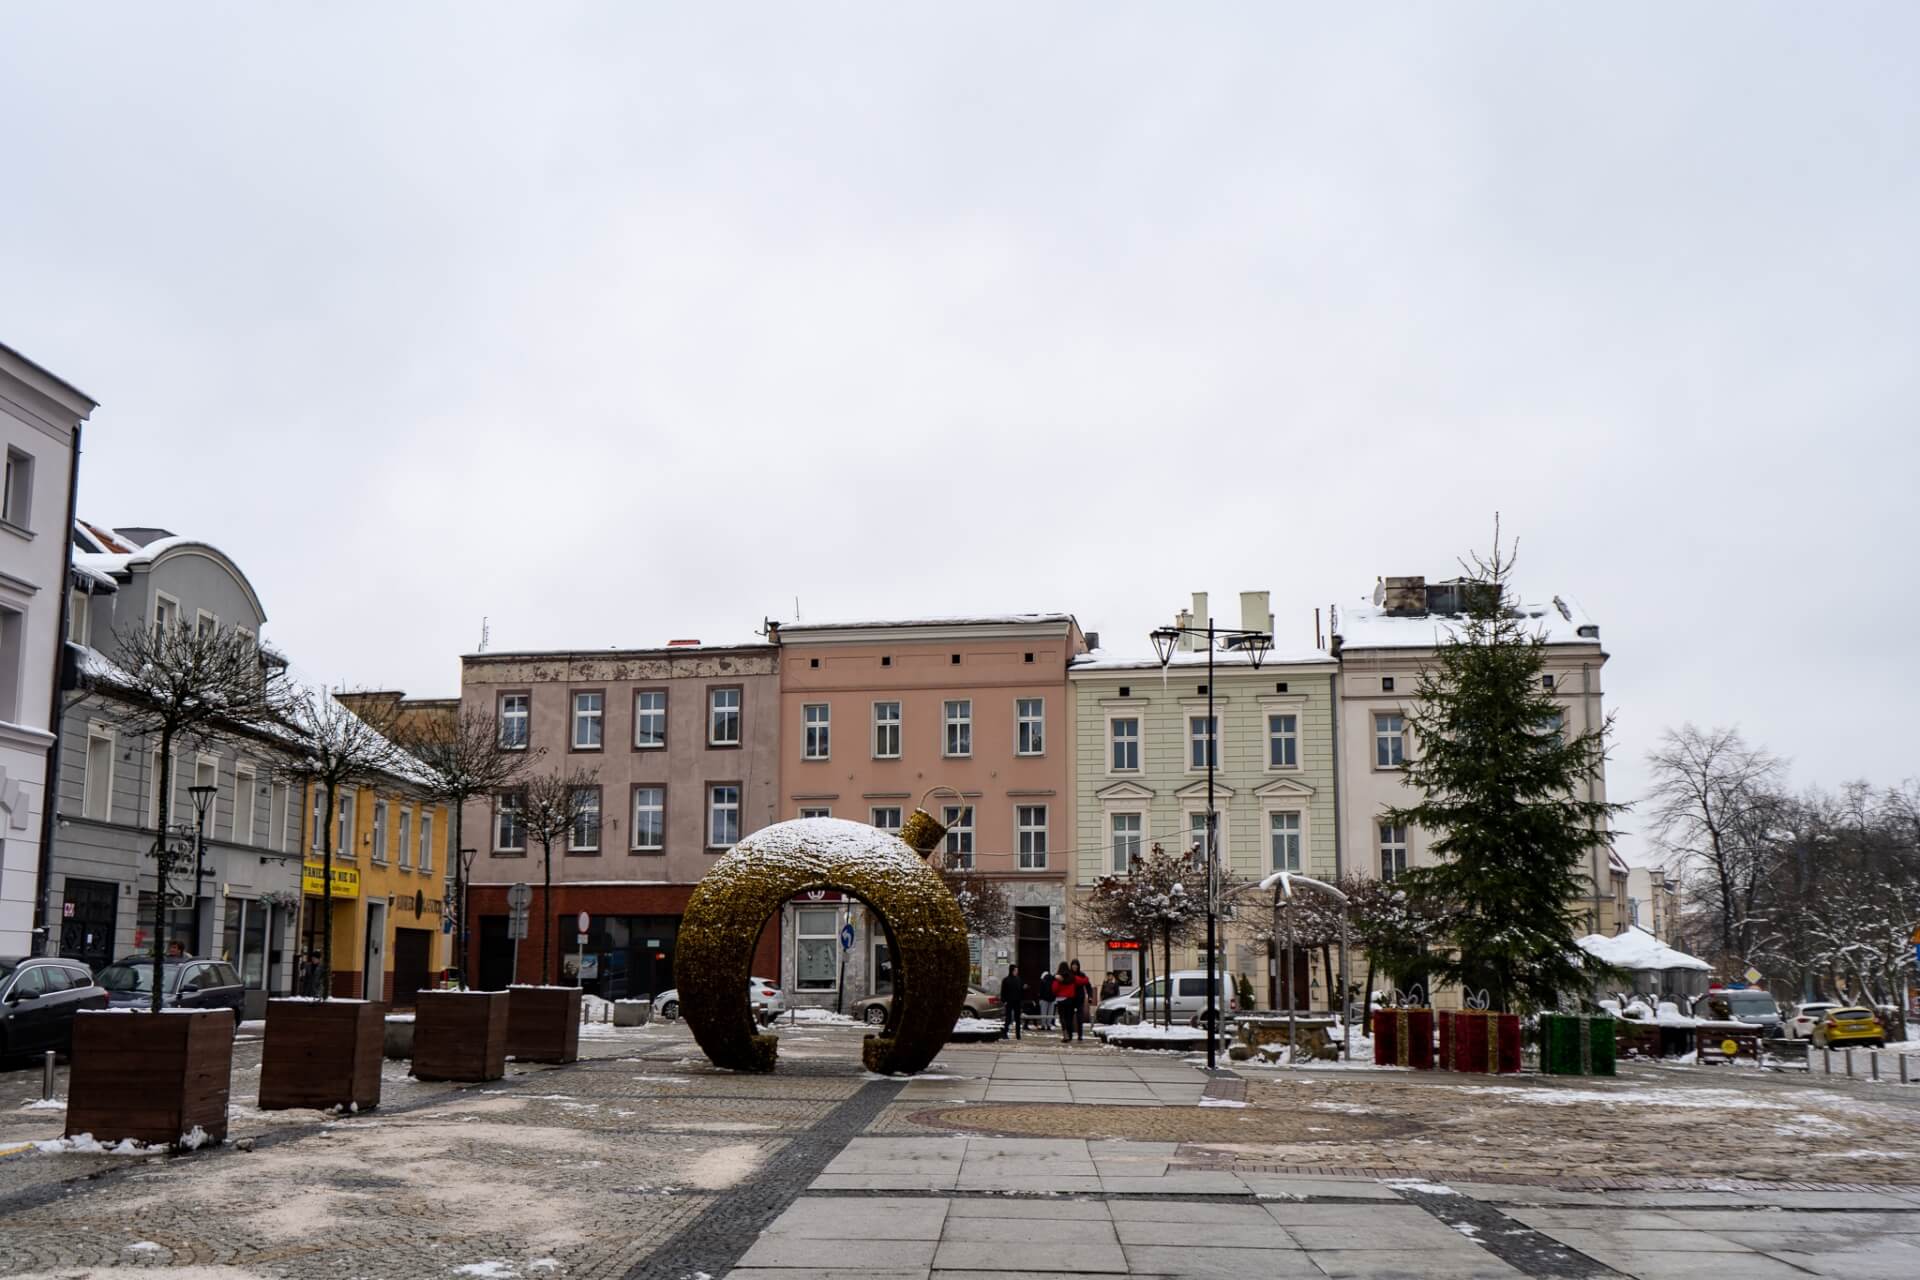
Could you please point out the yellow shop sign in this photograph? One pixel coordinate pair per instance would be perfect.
(346, 881)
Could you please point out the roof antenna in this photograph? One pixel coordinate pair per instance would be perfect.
(796, 608)
(486, 634)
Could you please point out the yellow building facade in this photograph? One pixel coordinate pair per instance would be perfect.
(390, 873)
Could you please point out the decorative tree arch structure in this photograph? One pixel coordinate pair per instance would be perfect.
(926, 937)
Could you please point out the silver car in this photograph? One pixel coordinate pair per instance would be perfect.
(769, 1002)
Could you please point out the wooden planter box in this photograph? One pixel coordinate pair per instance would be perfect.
(1403, 1038)
(543, 1024)
(151, 1077)
(1479, 1041)
(460, 1035)
(322, 1054)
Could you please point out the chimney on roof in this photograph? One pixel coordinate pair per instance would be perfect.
(683, 644)
(1254, 612)
(1093, 640)
(1405, 596)
(1200, 616)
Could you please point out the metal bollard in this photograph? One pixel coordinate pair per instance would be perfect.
(46, 1076)
(1903, 1067)
(1848, 1055)
(1826, 1060)
(1873, 1064)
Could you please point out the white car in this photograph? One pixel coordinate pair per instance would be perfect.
(1806, 1017)
(769, 1002)
(1189, 999)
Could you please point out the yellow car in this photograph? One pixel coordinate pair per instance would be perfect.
(1839, 1028)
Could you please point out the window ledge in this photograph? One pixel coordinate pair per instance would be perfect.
(18, 530)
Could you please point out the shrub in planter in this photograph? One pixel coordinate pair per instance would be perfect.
(543, 1024)
(460, 1035)
(322, 1054)
(151, 1077)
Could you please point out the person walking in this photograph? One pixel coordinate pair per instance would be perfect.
(1013, 994)
(1082, 999)
(1043, 997)
(1066, 1001)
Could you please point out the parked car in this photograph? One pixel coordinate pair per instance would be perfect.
(1189, 999)
(1845, 1027)
(1807, 1017)
(38, 998)
(769, 1002)
(1747, 1004)
(189, 983)
(874, 1009)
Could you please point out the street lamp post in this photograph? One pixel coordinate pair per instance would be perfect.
(1286, 880)
(1257, 644)
(463, 873)
(202, 801)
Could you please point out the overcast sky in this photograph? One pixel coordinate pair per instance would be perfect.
(614, 326)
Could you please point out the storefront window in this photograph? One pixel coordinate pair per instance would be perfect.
(817, 942)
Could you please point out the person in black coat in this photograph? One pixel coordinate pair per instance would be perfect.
(1013, 994)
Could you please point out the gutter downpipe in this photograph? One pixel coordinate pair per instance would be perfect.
(56, 713)
(1340, 869)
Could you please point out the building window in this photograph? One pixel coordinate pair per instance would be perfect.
(1125, 734)
(344, 825)
(585, 836)
(723, 717)
(1284, 841)
(650, 719)
(589, 715)
(166, 612)
(816, 948)
(96, 800)
(815, 810)
(244, 799)
(1203, 736)
(403, 839)
(513, 721)
(1283, 742)
(319, 824)
(205, 624)
(289, 819)
(1127, 835)
(958, 820)
(1393, 850)
(1030, 733)
(380, 831)
(886, 730)
(723, 815)
(79, 608)
(16, 502)
(959, 712)
(886, 817)
(816, 716)
(509, 825)
(1033, 837)
(425, 861)
(1546, 681)
(1197, 832)
(1389, 740)
(649, 819)
(1386, 684)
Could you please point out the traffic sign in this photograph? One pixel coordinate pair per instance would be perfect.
(583, 922)
(516, 924)
(846, 936)
(1753, 975)
(520, 896)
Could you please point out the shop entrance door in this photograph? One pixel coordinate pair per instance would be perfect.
(412, 954)
(87, 920)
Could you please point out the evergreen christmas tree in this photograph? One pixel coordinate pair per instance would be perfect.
(1505, 795)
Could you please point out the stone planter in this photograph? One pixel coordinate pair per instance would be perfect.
(322, 1054)
(399, 1036)
(460, 1035)
(151, 1077)
(632, 1013)
(543, 1024)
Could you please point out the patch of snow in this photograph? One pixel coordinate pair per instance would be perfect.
(1421, 1186)
(194, 1139)
(1639, 950)
(87, 1144)
(1220, 1102)
(543, 1264)
(492, 1267)
(145, 1246)
(45, 1104)
(1466, 1229)
(1696, 1099)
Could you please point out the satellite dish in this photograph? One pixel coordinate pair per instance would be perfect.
(1379, 592)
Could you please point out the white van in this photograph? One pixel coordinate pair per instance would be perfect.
(1189, 999)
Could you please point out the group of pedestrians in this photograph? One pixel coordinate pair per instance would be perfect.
(1064, 997)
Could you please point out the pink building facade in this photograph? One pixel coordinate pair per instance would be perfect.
(876, 715)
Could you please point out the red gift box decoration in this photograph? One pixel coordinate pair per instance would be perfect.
(1403, 1038)
(1479, 1041)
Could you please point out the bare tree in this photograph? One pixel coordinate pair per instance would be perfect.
(333, 748)
(1151, 901)
(463, 760)
(187, 686)
(1715, 807)
(554, 808)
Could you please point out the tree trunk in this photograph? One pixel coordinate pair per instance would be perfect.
(1333, 981)
(161, 856)
(1166, 1004)
(458, 949)
(326, 897)
(1366, 1000)
(546, 917)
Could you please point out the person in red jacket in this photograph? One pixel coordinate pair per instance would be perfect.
(1083, 994)
(1066, 1002)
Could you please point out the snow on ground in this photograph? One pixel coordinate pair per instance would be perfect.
(492, 1267)
(1416, 1184)
(87, 1144)
(816, 1016)
(1697, 1099)
(1221, 1102)
(979, 1027)
(45, 1104)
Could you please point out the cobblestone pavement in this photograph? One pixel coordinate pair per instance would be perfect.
(642, 1162)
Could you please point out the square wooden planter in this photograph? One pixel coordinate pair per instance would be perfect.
(460, 1035)
(322, 1054)
(543, 1024)
(151, 1077)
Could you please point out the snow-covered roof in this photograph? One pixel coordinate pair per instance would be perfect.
(956, 620)
(1368, 626)
(1105, 659)
(92, 581)
(1638, 949)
